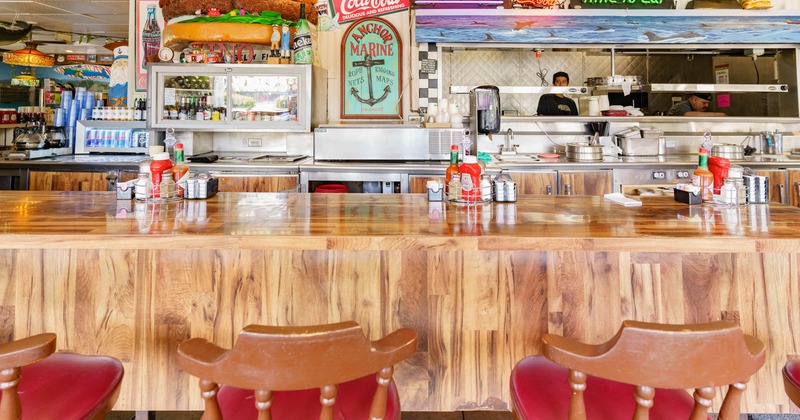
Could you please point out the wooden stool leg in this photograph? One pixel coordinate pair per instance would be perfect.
(378, 409)
(327, 397)
(577, 381)
(702, 402)
(731, 405)
(208, 390)
(9, 405)
(644, 401)
(264, 405)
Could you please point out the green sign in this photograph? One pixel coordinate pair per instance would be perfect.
(627, 4)
(371, 71)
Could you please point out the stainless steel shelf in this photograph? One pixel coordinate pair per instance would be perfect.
(573, 90)
(699, 87)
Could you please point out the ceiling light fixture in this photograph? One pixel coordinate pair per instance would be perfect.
(29, 57)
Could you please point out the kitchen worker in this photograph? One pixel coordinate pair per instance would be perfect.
(557, 103)
(695, 106)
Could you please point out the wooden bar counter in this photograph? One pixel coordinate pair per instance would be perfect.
(480, 284)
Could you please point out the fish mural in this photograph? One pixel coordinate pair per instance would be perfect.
(635, 28)
(84, 71)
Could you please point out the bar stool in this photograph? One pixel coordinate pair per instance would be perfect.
(644, 365)
(791, 380)
(323, 371)
(39, 384)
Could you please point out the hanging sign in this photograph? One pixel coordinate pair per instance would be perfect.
(347, 10)
(371, 71)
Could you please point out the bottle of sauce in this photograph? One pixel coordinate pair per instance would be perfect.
(453, 168)
(158, 166)
(179, 169)
(703, 178)
(471, 179)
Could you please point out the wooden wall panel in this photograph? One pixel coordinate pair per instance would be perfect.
(477, 312)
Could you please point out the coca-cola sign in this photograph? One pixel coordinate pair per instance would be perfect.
(347, 10)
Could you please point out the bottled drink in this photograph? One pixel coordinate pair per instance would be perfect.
(301, 45)
(137, 110)
(183, 111)
(151, 35)
(703, 178)
(142, 110)
(173, 112)
(179, 170)
(453, 168)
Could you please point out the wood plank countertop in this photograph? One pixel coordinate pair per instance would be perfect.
(480, 284)
(376, 221)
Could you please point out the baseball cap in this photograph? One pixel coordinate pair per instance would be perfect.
(702, 95)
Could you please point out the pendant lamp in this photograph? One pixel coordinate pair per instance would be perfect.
(29, 56)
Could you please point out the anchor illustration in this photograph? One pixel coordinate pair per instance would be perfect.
(368, 63)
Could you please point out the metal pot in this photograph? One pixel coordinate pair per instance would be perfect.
(728, 151)
(584, 152)
(54, 137)
(29, 140)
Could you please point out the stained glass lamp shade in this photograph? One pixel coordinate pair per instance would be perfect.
(28, 56)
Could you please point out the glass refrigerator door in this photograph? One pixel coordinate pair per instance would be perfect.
(191, 99)
(258, 99)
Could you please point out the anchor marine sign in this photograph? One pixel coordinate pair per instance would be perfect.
(371, 71)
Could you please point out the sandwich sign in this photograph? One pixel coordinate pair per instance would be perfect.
(348, 10)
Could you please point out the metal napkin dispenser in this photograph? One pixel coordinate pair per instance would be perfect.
(644, 141)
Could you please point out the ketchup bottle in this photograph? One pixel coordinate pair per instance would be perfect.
(159, 164)
(470, 179)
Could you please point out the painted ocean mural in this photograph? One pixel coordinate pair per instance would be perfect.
(561, 29)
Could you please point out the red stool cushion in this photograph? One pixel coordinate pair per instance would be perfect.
(540, 390)
(353, 401)
(67, 386)
(792, 373)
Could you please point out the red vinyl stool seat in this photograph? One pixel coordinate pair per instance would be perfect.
(68, 386)
(237, 403)
(331, 188)
(540, 390)
(791, 380)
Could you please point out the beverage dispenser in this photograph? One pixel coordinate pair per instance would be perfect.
(484, 105)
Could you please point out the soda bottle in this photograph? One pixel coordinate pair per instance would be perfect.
(301, 45)
(151, 35)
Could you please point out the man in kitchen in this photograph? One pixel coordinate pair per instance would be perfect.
(695, 106)
(557, 103)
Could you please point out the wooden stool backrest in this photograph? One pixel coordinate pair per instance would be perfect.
(14, 355)
(267, 358)
(647, 355)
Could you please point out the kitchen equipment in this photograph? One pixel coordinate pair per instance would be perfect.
(728, 151)
(632, 182)
(771, 143)
(55, 137)
(98, 136)
(484, 108)
(644, 141)
(30, 138)
(584, 152)
(757, 189)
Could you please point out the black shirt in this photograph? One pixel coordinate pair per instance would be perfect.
(550, 104)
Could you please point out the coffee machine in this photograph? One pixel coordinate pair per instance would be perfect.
(484, 108)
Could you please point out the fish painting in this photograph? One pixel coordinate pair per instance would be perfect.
(522, 25)
(681, 37)
(84, 71)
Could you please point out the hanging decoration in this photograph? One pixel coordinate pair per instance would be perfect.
(29, 56)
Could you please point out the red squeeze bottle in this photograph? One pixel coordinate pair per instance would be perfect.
(470, 179)
(159, 164)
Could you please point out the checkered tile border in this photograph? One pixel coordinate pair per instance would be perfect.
(428, 82)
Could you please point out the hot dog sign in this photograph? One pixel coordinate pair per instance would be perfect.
(371, 71)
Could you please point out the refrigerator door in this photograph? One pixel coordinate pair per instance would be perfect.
(232, 97)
